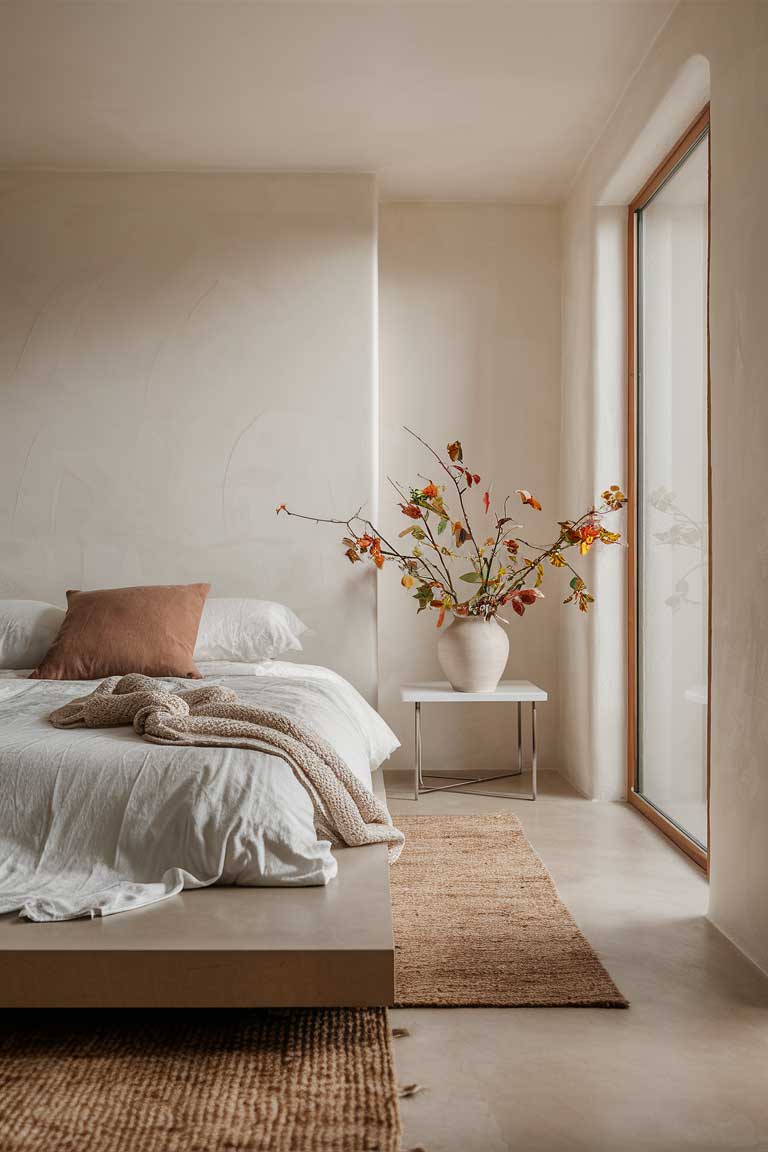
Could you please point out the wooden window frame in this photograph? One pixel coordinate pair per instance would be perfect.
(686, 142)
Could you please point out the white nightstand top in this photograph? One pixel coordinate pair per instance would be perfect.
(440, 691)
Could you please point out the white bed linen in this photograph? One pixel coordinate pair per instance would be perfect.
(94, 822)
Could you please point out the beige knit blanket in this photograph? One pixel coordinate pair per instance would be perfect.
(346, 812)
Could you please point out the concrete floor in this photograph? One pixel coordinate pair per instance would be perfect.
(685, 1068)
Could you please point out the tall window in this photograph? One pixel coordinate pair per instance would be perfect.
(669, 598)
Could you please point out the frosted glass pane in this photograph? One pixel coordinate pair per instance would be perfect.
(672, 496)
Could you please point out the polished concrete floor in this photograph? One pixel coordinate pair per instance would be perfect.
(685, 1068)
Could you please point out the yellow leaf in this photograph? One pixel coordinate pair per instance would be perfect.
(407, 581)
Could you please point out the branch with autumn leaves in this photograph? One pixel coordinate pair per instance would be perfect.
(503, 568)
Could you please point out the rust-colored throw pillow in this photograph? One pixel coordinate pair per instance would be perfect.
(118, 630)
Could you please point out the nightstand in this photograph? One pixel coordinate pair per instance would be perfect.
(507, 692)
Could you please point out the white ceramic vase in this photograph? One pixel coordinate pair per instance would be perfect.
(473, 653)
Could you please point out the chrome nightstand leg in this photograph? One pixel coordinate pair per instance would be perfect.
(519, 738)
(418, 779)
(533, 750)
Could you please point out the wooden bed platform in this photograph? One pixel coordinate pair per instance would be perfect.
(217, 948)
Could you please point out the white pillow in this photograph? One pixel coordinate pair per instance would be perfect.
(27, 630)
(246, 630)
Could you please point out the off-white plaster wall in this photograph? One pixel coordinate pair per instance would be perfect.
(178, 355)
(733, 37)
(470, 349)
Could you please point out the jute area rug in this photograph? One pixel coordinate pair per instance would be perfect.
(478, 921)
(287, 1080)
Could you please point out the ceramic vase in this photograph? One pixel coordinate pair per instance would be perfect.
(473, 653)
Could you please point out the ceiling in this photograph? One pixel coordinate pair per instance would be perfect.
(452, 101)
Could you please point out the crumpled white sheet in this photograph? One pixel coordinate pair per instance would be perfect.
(96, 822)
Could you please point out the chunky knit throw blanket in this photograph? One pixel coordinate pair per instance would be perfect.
(346, 812)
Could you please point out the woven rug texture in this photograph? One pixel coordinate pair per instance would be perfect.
(268, 1080)
(478, 921)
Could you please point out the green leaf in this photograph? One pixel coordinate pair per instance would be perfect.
(472, 578)
(442, 526)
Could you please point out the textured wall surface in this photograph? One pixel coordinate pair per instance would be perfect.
(178, 355)
(733, 38)
(470, 350)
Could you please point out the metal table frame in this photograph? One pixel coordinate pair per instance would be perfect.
(421, 789)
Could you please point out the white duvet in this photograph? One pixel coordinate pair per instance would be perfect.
(93, 822)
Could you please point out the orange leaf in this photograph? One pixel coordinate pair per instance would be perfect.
(440, 618)
(459, 533)
(376, 555)
(407, 581)
(430, 491)
(454, 451)
(281, 508)
(526, 498)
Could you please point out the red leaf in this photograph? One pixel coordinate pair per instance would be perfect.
(486, 501)
(518, 607)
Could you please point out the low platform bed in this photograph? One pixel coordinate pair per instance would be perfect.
(169, 875)
(217, 948)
